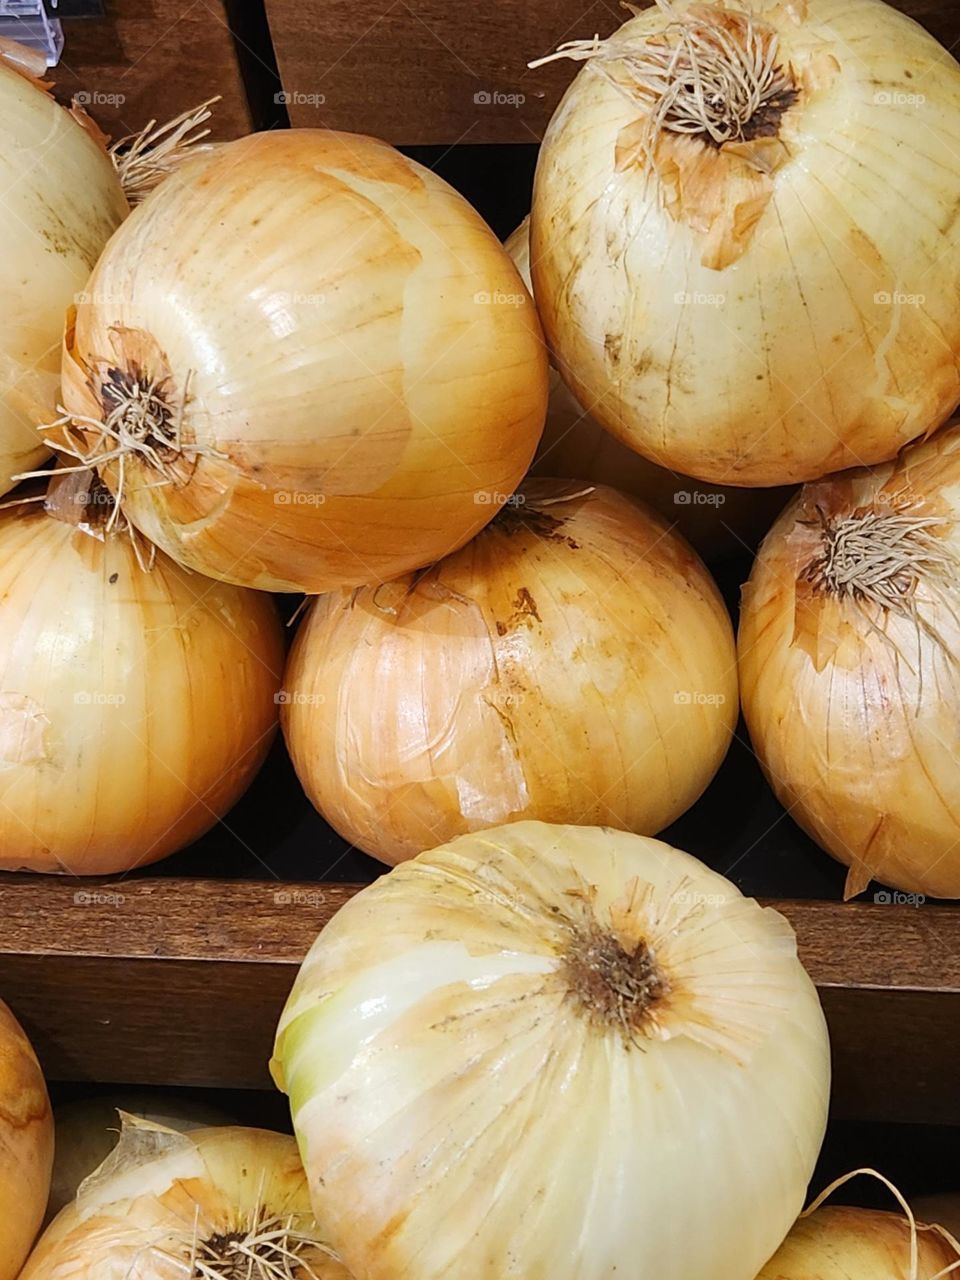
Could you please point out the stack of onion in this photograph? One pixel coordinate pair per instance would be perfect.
(849, 636)
(301, 362)
(716, 520)
(580, 1054)
(573, 663)
(62, 200)
(136, 703)
(26, 1145)
(215, 1204)
(861, 1244)
(723, 273)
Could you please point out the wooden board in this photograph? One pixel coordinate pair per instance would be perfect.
(152, 60)
(181, 982)
(427, 71)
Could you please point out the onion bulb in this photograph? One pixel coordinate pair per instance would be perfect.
(26, 1145)
(849, 636)
(306, 364)
(716, 520)
(745, 236)
(573, 663)
(582, 1054)
(87, 1131)
(62, 200)
(215, 1204)
(136, 703)
(858, 1244)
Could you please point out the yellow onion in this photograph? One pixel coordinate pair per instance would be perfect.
(849, 635)
(555, 1051)
(62, 200)
(136, 703)
(573, 663)
(744, 236)
(716, 520)
(301, 362)
(87, 1131)
(213, 1204)
(26, 1145)
(836, 1243)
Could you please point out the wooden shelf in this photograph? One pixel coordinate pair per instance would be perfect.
(169, 981)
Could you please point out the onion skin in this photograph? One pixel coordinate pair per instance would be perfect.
(777, 358)
(359, 347)
(62, 202)
(459, 1112)
(575, 662)
(717, 521)
(26, 1145)
(851, 728)
(135, 707)
(836, 1243)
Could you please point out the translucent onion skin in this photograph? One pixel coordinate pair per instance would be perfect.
(752, 327)
(26, 1145)
(573, 663)
(162, 1195)
(62, 201)
(135, 707)
(857, 1244)
(717, 521)
(851, 708)
(343, 335)
(462, 1111)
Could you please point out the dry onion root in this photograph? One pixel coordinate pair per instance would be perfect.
(137, 700)
(302, 364)
(26, 1145)
(555, 1051)
(214, 1204)
(849, 642)
(716, 520)
(573, 663)
(722, 275)
(144, 159)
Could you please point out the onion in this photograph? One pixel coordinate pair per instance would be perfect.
(574, 663)
(722, 273)
(87, 1131)
(859, 1244)
(217, 1204)
(306, 364)
(136, 704)
(26, 1145)
(849, 635)
(555, 1051)
(62, 199)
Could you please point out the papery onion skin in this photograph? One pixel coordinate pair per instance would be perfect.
(573, 663)
(459, 1113)
(140, 1220)
(135, 706)
(853, 710)
(26, 1145)
(62, 202)
(826, 332)
(837, 1243)
(342, 327)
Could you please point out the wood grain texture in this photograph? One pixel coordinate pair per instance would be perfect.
(182, 982)
(153, 60)
(415, 71)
